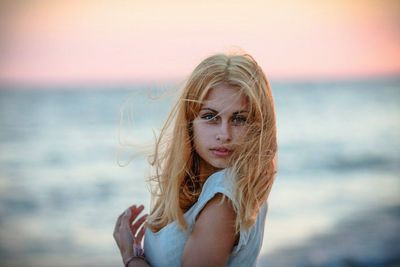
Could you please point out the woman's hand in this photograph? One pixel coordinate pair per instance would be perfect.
(127, 233)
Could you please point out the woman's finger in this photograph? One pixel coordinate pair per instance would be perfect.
(135, 211)
(125, 220)
(140, 234)
(137, 224)
(118, 223)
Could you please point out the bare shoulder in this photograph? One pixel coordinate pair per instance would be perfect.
(213, 235)
(218, 211)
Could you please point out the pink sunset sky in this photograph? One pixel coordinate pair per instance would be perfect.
(115, 41)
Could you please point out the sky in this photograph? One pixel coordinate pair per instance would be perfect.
(116, 41)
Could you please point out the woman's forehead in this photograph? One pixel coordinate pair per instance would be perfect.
(225, 97)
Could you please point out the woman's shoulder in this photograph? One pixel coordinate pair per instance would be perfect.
(218, 185)
(218, 182)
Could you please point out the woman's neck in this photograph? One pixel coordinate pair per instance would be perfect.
(206, 170)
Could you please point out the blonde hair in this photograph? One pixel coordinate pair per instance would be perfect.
(176, 163)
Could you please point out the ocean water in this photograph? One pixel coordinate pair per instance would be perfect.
(335, 201)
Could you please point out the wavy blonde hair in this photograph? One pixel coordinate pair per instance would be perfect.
(176, 164)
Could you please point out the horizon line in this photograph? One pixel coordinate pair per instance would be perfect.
(180, 81)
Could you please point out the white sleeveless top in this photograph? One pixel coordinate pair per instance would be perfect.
(165, 248)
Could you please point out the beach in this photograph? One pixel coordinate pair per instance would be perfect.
(335, 201)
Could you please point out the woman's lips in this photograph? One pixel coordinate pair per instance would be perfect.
(221, 152)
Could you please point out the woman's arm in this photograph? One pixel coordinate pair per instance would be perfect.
(213, 236)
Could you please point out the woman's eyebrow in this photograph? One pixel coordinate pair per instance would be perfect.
(240, 111)
(234, 113)
(210, 109)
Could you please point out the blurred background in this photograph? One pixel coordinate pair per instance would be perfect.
(81, 81)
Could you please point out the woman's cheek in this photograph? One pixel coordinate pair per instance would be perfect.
(239, 134)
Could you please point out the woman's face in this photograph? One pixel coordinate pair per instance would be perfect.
(219, 127)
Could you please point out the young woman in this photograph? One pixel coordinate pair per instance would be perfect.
(214, 168)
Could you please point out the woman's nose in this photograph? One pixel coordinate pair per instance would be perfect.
(224, 133)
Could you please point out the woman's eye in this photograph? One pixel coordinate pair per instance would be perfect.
(209, 117)
(239, 120)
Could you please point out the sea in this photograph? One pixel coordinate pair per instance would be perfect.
(73, 158)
